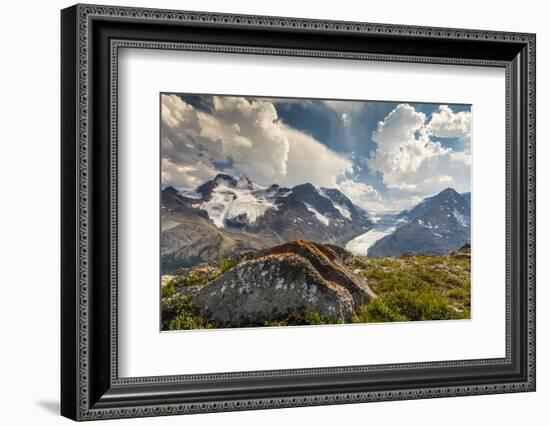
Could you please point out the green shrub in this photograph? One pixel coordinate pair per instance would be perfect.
(294, 317)
(192, 280)
(375, 311)
(195, 280)
(227, 264)
(180, 314)
(315, 318)
(420, 305)
(169, 289)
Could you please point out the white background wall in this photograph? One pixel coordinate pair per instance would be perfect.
(29, 212)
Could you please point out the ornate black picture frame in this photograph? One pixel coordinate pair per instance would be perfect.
(91, 36)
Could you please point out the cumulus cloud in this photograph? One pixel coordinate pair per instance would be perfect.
(246, 137)
(372, 200)
(410, 161)
(445, 123)
(185, 175)
(311, 161)
(362, 194)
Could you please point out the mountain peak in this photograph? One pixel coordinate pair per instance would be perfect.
(436, 225)
(449, 191)
(336, 195)
(225, 177)
(448, 197)
(170, 190)
(207, 187)
(305, 187)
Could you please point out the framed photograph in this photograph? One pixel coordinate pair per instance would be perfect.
(263, 212)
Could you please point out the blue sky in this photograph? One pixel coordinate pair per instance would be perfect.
(384, 155)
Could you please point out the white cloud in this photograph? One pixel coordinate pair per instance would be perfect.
(362, 194)
(311, 161)
(346, 107)
(369, 198)
(185, 176)
(248, 137)
(346, 119)
(346, 110)
(410, 161)
(445, 123)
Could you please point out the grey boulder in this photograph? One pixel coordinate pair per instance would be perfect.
(296, 275)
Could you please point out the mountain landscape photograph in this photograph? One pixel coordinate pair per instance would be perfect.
(289, 212)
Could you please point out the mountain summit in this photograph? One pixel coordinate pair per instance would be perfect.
(436, 225)
(235, 214)
(448, 198)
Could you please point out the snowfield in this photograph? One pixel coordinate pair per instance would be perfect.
(227, 203)
(462, 219)
(360, 245)
(344, 211)
(320, 217)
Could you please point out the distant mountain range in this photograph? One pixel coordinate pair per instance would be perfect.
(229, 215)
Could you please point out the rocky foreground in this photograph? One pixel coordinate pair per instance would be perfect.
(300, 283)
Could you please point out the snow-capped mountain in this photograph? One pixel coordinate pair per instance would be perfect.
(228, 215)
(231, 201)
(436, 225)
(236, 202)
(244, 215)
(448, 198)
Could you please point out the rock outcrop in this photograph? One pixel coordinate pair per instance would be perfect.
(464, 251)
(292, 276)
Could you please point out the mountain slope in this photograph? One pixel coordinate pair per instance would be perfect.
(435, 226)
(305, 212)
(468, 197)
(448, 197)
(189, 236)
(230, 214)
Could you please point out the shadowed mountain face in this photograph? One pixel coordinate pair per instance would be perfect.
(468, 197)
(447, 198)
(229, 215)
(436, 226)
